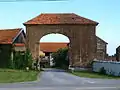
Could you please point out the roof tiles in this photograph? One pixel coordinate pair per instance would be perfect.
(52, 46)
(60, 18)
(7, 35)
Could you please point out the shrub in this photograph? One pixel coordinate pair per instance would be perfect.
(22, 60)
(60, 58)
(18, 61)
(102, 71)
(28, 59)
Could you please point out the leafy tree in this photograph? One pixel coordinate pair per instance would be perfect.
(22, 60)
(18, 61)
(60, 58)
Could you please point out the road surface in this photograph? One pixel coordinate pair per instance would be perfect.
(55, 79)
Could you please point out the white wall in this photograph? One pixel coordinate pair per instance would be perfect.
(111, 67)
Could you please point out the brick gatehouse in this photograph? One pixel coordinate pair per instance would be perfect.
(80, 31)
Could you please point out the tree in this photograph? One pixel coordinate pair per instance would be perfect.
(22, 60)
(18, 61)
(60, 58)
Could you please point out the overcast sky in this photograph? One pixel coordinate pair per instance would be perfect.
(106, 12)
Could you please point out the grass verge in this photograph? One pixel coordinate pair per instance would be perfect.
(89, 74)
(10, 75)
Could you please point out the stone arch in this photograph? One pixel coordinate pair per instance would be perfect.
(54, 33)
(45, 39)
(46, 35)
(81, 35)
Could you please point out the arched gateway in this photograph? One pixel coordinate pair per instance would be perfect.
(80, 31)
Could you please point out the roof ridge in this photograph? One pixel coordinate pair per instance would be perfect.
(57, 13)
(64, 18)
(101, 39)
(8, 35)
(87, 18)
(12, 29)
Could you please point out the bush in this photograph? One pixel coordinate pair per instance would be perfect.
(102, 71)
(28, 59)
(18, 61)
(22, 60)
(60, 58)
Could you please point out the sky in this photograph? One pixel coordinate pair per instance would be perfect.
(106, 12)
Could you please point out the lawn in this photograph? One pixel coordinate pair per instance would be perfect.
(89, 74)
(10, 75)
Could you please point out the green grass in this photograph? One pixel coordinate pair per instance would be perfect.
(10, 75)
(89, 74)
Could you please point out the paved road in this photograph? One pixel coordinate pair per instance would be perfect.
(54, 79)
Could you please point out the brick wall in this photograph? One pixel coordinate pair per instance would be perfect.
(101, 49)
(83, 45)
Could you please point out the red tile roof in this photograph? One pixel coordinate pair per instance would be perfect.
(7, 35)
(51, 46)
(60, 18)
